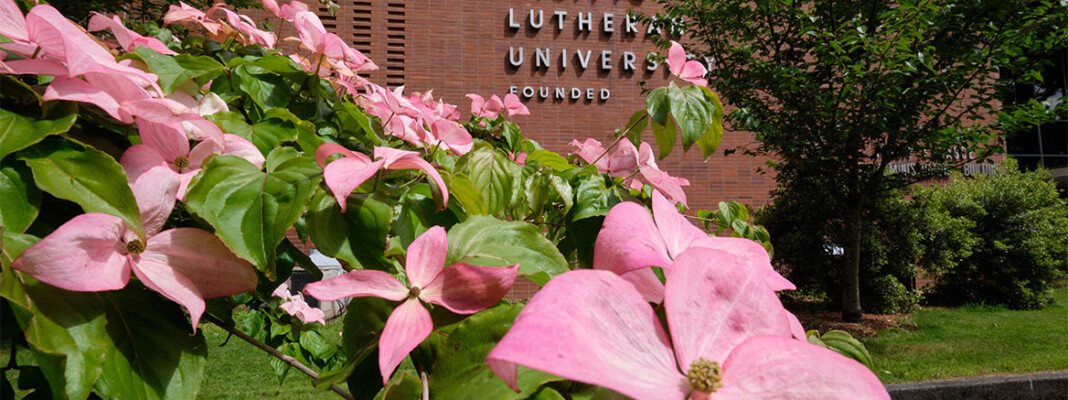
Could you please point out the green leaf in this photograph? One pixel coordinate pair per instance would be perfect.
(487, 241)
(709, 141)
(280, 65)
(460, 371)
(85, 176)
(359, 235)
(252, 210)
(176, 70)
(18, 132)
(493, 174)
(665, 137)
(66, 329)
(593, 198)
(847, 345)
(266, 134)
(563, 189)
(265, 89)
(693, 112)
(549, 159)
(466, 193)
(418, 213)
(635, 126)
(19, 202)
(658, 105)
(151, 354)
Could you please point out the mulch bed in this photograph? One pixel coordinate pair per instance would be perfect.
(869, 325)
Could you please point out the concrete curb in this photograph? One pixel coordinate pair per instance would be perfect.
(1043, 386)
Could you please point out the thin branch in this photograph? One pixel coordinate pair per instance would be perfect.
(276, 354)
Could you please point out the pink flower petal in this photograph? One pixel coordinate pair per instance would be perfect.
(400, 159)
(328, 149)
(167, 138)
(693, 72)
(86, 254)
(203, 259)
(426, 257)
(359, 283)
(647, 284)
(467, 289)
(203, 130)
(300, 309)
(346, 174)
(139, 159)
(409, 324)
(154, 272)
(592, 327)
(12, 23)
(770, 367)
(714, 303)
(754, 255)
(238, 146)
(589, 151)
(33, 66)
(678, 233)
(73, 89)
(61, 39)
(155, 191)
(629, 240)
(514, 105)
(676, 58)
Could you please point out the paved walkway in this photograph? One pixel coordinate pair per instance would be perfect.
(1040, 386)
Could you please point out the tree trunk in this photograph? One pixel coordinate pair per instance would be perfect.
(851, 311)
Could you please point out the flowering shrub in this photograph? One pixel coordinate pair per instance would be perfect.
(186, 162)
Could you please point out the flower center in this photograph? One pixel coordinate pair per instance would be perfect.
(181, 162)
(414, 292)
(705, 376)
(135, 246)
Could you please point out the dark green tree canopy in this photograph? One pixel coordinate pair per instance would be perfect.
(842, 90)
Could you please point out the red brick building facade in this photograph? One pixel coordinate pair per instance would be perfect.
(580, 69)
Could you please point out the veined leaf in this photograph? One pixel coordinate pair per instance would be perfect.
(488, 241)
(18, 132)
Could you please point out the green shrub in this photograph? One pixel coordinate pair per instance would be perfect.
(804, 231)
(999, 239)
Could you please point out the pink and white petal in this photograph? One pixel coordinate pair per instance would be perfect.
(755, 256)
(694, 73)
(210, 103)
(155, 191)
(407, 326)
(300, 309)
(663, 182)
(200, 129)
(33, 66)
(12, 23)
(425, 257)
(61, 39)
(468, 289)
(592, 327)
(139, 159)
(328, 149)
(157, 275)
(359, 283)
(629, 240)
(714, 303)
(588, 150)
(85, 255)
(514, 105)
(346, 174)
(771, 367)
(239, 146)
(796, 329)
(73, 89)
(678, 233)
(647, 283)
(168, 138)
(401, 159)
(203, 259)
(676, 58)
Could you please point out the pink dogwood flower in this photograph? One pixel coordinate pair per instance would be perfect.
(345, 174)
(96, 252)
(461, 288)
(127, 38)
(626, 161)
(690, 71)
(183, 162)
(184, 13)
(631, 240)
(727, 340)
(514, 106)
(294, 304)
(481, 107)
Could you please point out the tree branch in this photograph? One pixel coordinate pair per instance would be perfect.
(276, 354)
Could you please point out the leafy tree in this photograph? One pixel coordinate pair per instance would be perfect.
(843, 90)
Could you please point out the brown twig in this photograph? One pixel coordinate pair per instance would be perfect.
(277, 354)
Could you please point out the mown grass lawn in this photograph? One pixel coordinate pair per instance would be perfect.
(974, 341)
(240, 371)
